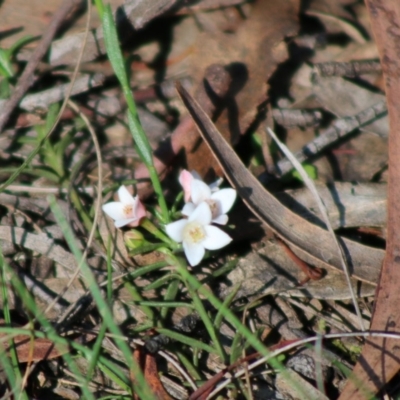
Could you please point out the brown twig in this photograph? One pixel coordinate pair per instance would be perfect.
(25, 81)
(338, 130)
(349, 69)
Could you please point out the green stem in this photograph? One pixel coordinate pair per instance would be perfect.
(154, 230)
(200, 308)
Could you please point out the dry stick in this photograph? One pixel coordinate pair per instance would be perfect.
(50, 96)
(95, 220)
(349, 69)
(98, 154)
(277, 350)
(288, 117)
(339, 129)
(379, 360)
(25, 81)
(322, 209)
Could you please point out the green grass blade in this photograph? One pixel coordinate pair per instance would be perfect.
(193, 343)
(141, 387)
(141, 141)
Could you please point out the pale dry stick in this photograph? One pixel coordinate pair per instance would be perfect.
(63, 105)
(349, 69)
(43, 190)
(290, 118)
(25, 81)
(96, 213)
(44, 99)
(296, 344)
(95, 141)
(310, 185)
(338, 130)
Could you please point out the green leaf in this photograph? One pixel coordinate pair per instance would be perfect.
(18, 44)
(5, 91)
(311, 170)
(193, 343)
(5, 64)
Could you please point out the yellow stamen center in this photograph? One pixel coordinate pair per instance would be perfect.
(128, 210)
(193, 232)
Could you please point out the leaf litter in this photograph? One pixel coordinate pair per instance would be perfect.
(235, 58)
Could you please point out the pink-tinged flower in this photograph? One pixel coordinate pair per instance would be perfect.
(196, 234)
(220, 201)
(128, 210)
(186, 178)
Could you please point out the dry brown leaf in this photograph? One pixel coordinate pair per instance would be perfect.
(33, 17)
(349, 205)
(150, 371)
(31, 349)
(251, 54)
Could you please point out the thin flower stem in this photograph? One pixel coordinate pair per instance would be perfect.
(182, 269)
(154, 230)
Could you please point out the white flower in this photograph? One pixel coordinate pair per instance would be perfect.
(220, 201)
(186, 178)
(197, 235)
(128, 211)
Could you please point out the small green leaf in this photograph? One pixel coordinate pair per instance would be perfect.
(311, 170)
(5, 64)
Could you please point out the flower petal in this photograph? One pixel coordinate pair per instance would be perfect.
(175, 229)
(199, 191)
(185, 179)
(119, 223)
(216, 238)
(188, 208)
(115, 210)
(124, 195)
(140, 210)
(215, 185)
(225, 198)
(195, 175)
(194, 252)
(201, 214)
(220, 220)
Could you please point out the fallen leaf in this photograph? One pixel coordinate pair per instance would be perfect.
(31, 349)
(251, 55)
(150, 371)
(349, 204)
